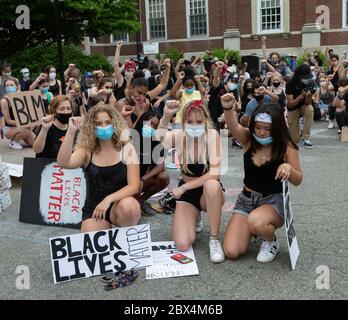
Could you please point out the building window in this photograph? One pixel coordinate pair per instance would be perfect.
(345, 13)
(197, 17)
(92, 40)
(270, 16)
(115, 37)
(156, 11)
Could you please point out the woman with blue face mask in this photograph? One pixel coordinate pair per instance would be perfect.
(111, 166)
(270, 157)
(153, 176)
(198, 147)
(10, 130)
(46, 95)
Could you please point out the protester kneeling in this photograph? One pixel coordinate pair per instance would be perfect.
(270, 157)
(200, 189)
(112, 168)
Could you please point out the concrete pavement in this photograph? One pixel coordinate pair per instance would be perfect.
(320, 212)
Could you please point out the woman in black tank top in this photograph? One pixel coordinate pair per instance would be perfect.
(112, 169)
(270, 158)
(10, 130)
(198, 148)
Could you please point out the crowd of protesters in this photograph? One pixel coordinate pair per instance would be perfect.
(182, 106)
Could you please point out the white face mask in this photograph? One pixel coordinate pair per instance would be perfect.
(195, 131)
(52, 75)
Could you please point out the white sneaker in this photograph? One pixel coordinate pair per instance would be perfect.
(331, 125)
(199, 224)
(15, 145)
(268, 251)
(216, 253)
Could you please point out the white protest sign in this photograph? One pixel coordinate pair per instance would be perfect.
(15, 170)
(166, 267)
(91, 254)
(62, 194)
(290, 232)
(151, 47)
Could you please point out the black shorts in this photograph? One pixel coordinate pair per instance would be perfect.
(193, 196)
(88, 209)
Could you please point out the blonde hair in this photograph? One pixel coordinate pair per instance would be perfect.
(87, 138)
(202, 108)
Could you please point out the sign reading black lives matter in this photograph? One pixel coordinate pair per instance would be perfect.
(294, 250)
(91, 254)
(28, 108)
(51, 195)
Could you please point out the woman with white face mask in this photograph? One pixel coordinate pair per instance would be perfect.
(270, 158)
(10, 130)
(198, 146)
(49, 73)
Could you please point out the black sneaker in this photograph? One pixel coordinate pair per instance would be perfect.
(147, 210)
(236, 144)
(307, 144)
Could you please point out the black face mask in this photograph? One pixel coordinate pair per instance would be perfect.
(250, 90)
(63, 118)
(276, 84)
(259, 98)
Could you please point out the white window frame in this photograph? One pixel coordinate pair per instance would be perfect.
(259, 19)
(92, 40)
(344, 14)
(188, 26)
(147, 11)
(112, 40)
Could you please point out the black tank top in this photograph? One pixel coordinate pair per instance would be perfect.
(55, 89)
(262, 179)
(196, 169)
(10, 112)
(103, 181)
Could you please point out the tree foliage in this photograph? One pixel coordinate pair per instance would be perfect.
(48, 56)
(79, 18)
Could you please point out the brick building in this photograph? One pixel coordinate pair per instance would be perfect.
(196, 25)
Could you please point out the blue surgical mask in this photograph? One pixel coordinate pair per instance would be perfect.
(105, 133)
(195, 131)
(232, 86)
(44, 89)
(263, 141)
(11, 89)
(148, 132)
(190, 91)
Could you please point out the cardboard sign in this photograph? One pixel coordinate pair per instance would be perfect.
(91, 254)
(165, 267)
(151, 47)
(51, 195)
(290, 232)
(28, 108)
(344, 134)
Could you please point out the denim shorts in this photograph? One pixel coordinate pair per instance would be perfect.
(249, 201)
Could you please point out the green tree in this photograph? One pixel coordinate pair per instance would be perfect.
(79, 18)
(48, 56)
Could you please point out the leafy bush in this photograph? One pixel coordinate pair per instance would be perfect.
(308, 56)
(35, 59)
(221, 52)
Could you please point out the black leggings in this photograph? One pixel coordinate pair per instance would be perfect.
(342, 119)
